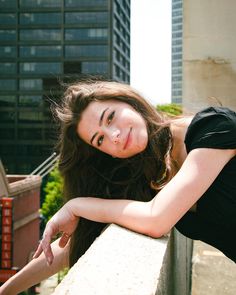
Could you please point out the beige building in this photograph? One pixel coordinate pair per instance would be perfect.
(209, 53)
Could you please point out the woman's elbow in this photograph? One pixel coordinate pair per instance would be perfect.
(157, 230)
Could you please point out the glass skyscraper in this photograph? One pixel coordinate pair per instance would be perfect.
(177, 34)
(44, 43)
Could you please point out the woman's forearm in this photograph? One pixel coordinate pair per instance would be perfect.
(36, 271)
(131, 214)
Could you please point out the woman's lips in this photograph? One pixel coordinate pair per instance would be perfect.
(128, 139)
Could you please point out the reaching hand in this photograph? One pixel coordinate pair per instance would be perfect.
(62, 222)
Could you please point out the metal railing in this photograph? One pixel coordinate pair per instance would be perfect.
(47, 166)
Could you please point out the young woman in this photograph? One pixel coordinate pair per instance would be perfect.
(124, 163)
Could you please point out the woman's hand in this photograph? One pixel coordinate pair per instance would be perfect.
(65, 222)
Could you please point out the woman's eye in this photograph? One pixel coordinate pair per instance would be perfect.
(110, 117)
(100, 140)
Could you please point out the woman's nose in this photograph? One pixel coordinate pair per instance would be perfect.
(115, 136)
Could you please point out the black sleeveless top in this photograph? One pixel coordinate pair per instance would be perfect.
(214, 221)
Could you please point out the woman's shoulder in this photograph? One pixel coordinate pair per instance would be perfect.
(212, 127)
(215, 112)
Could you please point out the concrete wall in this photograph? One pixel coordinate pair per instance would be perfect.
(121, 262)
(209, 53)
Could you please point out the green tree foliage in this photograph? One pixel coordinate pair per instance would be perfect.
(53, 198)
(170, 109)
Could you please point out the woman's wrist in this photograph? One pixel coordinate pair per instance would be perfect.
(72, 207)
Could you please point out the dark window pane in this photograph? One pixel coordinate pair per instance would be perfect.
(94, 67)
(86, 34)
(51, 84)
(79, 3)
(7, 18)
(86, 51)
(40, 18)
(7, 116)
(29, 133)
(40, 3)
(40, 51)
(40, 35)
(72, 67)
(30, 117)
(7, 100)
(30, 100)
(8, 3)
(7, 51)
(7, 84)
(7, 68)
(7, 35)
(31, 84)
(40, 67)
(86, 17)
(7, 133)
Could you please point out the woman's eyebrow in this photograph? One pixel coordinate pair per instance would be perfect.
(102, 116)
(100, 123)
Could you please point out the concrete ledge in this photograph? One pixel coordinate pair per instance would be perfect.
(126, 263)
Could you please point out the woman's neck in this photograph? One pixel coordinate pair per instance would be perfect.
(178, 129)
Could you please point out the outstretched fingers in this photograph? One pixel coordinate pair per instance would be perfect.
(45, 244)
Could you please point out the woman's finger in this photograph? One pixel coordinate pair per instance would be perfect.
(46, 244)
(64, 240)
(38, 251)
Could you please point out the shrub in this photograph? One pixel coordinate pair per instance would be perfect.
(170, 109)
(53, 198)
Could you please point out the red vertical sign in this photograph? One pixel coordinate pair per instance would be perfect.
(6, 243)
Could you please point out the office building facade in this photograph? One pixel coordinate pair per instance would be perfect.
(44, 43)
(177, 34)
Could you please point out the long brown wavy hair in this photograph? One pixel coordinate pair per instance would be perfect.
(89, 172)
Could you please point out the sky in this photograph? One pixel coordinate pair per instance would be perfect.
(151, 49)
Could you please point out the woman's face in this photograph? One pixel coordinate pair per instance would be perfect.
(113, 127)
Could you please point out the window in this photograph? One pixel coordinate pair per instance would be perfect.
(40, 51)
(29, 133)
(177, 42)
(86, 50)
(94, 67)
(8, 3)
(8, 18)
(40, 18)
(177, 71)
(7, 84)
(7, 116)
(30, 117)
(176, 63)
(40, 35)
(177, 49)
(177, 27)
(40, 3)
(176, 56)
(7, 68)
(7, 133)
(90, 3)
(7, 35)
(176, 5)
(72, 67)
(7, 51)
(86, 34)
(40, 67)
(31, 84)
(86, 17)
(7, 100)
(178, 20)
(30, 101)
(177, 35)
